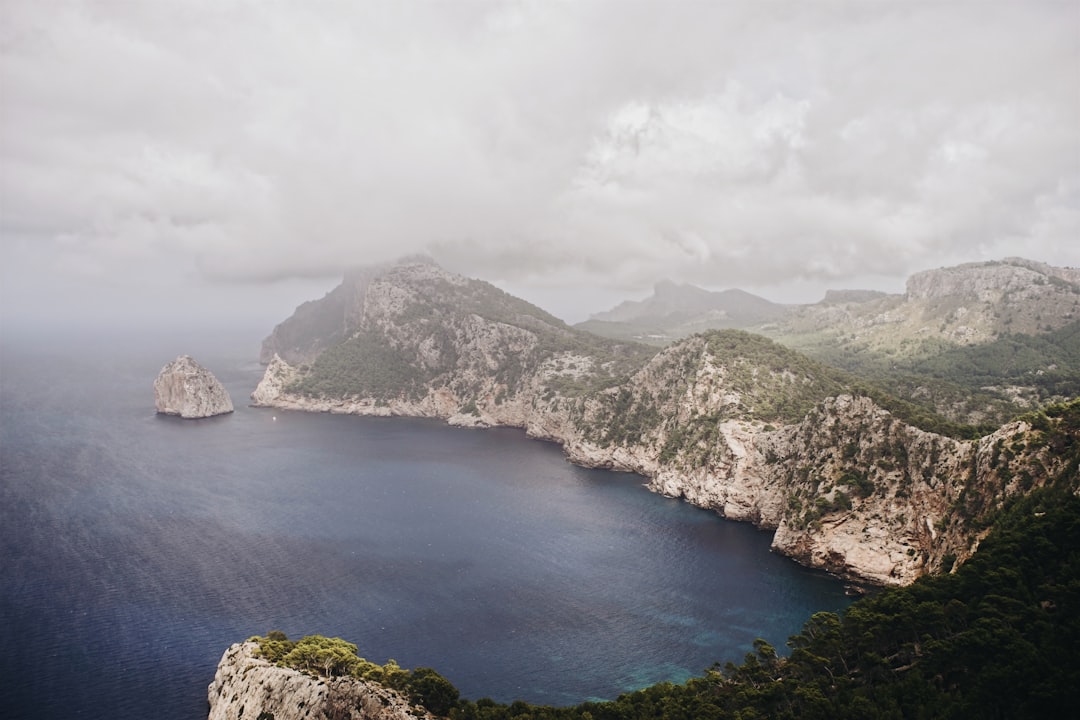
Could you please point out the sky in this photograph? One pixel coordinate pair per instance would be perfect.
(217, 162)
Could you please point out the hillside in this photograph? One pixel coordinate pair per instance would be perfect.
(976, 343)
(414, 332)
(851, 479)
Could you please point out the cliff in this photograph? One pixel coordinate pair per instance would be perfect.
(730, 421)
(246, 686)
(186, 388)
(963, 305)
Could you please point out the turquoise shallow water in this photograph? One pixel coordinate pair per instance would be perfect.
(136, 548)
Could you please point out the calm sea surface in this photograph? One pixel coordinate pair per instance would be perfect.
(135, 548)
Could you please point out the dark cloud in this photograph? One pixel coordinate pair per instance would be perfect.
(765, 145)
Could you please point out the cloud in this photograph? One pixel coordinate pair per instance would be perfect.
(615, 143)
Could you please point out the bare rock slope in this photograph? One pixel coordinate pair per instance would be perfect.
(246, 686)
(186, 388)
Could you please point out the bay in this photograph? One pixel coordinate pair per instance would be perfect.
(136, 548)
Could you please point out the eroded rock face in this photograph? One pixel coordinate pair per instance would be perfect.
(186, 388)
(278, 374)
(246, 686)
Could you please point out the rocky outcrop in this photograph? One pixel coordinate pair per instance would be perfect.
(729, 421)
(320, 324)
(277, 376)
(964, 305)
(186, 388)
(989, 281)
(248, 687)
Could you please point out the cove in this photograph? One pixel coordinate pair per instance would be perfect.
(138, 547)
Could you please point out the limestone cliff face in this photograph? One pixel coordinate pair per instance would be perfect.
(320, 324)
(988, 281)
(728, 421)
(248, 687)
(277, 376)
(186, 388)
(966, 304)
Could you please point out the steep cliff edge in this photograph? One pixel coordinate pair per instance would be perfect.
(247, 686)
(186, 388)
(730, 421)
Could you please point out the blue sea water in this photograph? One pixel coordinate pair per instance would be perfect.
(135, 548)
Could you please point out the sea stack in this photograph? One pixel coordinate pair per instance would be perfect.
(186, 388)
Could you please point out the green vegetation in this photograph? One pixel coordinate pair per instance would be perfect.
(1050, 363)
(431, 340)
(334, 657)
(771, 382)
(362, 365)
(781, 385)
(935, 378)
(996, 638)
(629, 332)
(433, 320)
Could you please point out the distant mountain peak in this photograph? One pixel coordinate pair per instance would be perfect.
(672, 301)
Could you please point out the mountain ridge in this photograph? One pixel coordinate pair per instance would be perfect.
(727, 420)
(892, 337)
(674, 311)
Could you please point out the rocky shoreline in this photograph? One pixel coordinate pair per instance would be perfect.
(755, 473)
(728, 420)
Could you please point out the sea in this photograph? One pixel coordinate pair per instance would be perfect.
(135, 548)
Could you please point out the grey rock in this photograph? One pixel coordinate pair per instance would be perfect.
(246, 686)
(186, 388)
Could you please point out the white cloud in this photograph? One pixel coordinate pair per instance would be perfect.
(617, 143)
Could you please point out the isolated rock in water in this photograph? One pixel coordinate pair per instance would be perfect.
(186, 388)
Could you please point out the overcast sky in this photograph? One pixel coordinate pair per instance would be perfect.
(180, 159)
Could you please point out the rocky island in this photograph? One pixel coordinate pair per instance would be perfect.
(186, 388)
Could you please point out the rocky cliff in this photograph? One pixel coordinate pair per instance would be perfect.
(964, 305)
(730, 421)
(186, 388)
(246, 686)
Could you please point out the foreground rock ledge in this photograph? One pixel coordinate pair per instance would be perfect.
(186, 388)
(249, 687)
